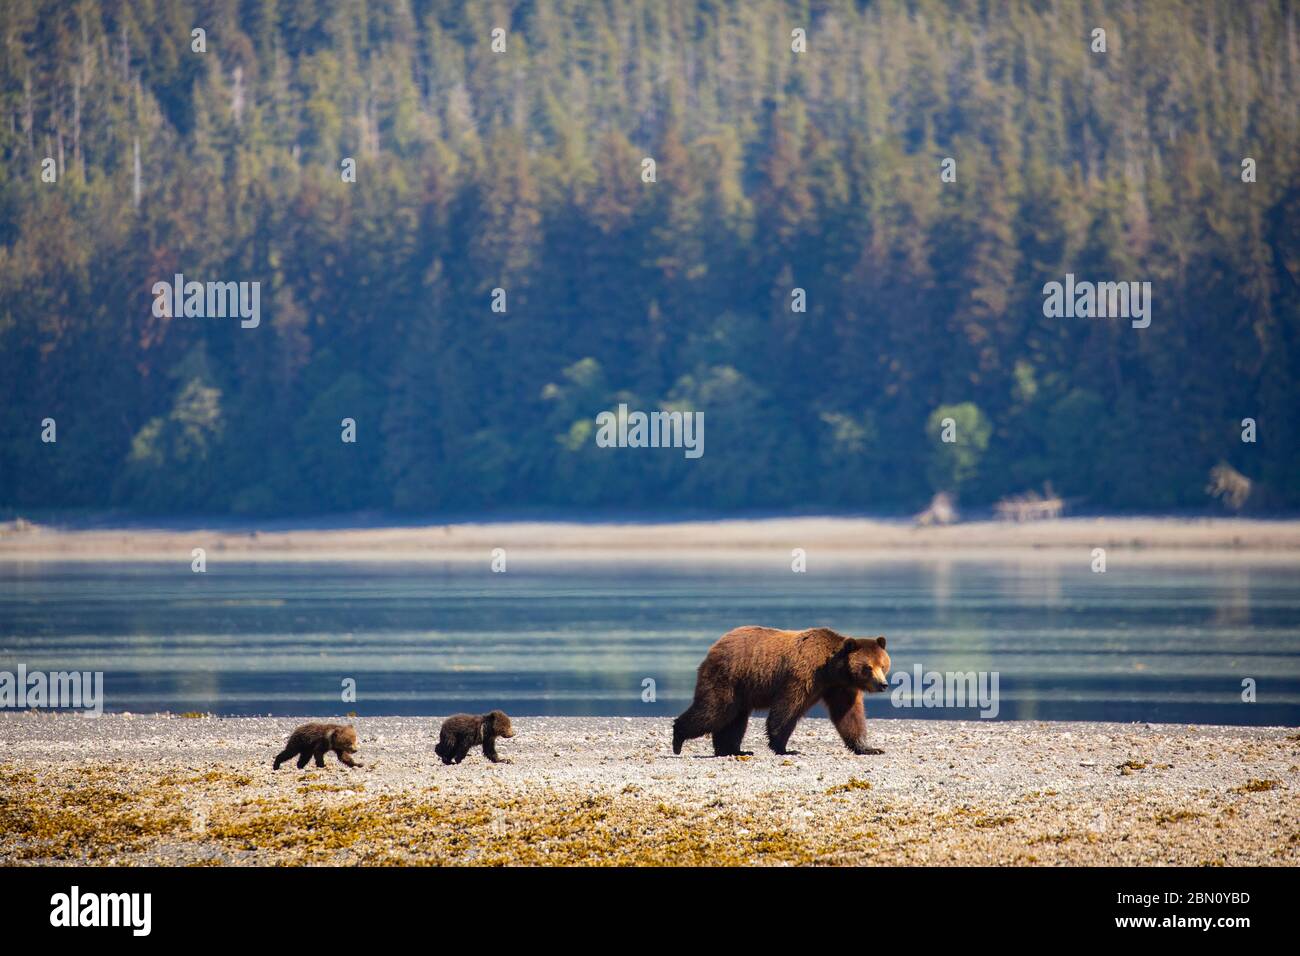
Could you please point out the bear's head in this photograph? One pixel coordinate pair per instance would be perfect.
(345, 739)
(866, 665)
(499, 724)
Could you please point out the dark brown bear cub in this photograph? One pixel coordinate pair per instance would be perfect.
(315, 740)
(460, 732)
(786, 672)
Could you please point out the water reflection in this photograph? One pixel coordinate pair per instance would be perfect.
(1151, 643)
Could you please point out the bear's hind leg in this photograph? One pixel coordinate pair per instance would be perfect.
(726, 742)
(286, 754)
(695, 721)
(781, 722)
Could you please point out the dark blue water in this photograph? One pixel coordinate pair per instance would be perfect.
(1148, 642)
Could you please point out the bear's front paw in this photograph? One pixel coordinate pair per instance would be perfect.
(867, 751)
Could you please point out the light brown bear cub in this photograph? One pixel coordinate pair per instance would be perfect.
(460, 732)
(786, 672)
(314, 740)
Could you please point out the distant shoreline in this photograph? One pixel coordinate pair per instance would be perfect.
(729, 540)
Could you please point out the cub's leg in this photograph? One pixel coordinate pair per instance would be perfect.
(344, 758)
(726, 742)
(319, 754)
(490, 751)
(303, 758)
(463, 743)
(444, 747)
(850, 719)
(287, 754)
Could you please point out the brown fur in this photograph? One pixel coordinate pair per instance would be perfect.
(315, 740)
(460, 732)
(786, 672)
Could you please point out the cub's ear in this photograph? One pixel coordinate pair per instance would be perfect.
(850, 645)
(881, 640)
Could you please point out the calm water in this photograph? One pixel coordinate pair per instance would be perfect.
(1140, 643)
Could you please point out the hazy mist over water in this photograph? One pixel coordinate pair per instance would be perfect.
(1151, 643)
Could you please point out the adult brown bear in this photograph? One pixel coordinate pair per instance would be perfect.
(786, 672)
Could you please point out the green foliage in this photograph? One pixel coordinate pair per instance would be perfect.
(954, 463)
(477, 171)
(171, 456)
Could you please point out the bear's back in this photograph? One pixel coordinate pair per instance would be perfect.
(760, 658)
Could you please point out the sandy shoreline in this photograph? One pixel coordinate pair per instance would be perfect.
(830, 538)
(136, 790)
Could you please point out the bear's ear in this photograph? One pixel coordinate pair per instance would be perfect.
(881, 640)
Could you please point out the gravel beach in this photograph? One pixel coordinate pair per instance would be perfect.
(138, 790)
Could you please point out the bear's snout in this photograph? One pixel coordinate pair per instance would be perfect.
(877, 681)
